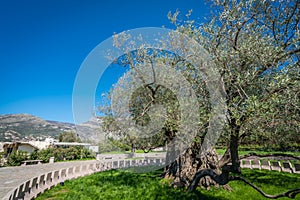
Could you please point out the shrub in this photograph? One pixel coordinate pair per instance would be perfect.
(16, 158)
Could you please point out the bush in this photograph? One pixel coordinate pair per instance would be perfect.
(107, 146)
(16, 158)
(60, 154)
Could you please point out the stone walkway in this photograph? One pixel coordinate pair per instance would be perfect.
(10, 177)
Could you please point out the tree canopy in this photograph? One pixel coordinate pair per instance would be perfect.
(255, 46)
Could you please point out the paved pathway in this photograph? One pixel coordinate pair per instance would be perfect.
(11, 177)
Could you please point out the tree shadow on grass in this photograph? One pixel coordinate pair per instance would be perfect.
(148, 183)
(125, 185)
(267, 177)
(122, 185)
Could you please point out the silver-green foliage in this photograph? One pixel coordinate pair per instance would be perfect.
(256, 47)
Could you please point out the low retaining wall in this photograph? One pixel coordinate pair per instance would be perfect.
(37, 185)
(29, 189)
(281, 166)
(125, 156)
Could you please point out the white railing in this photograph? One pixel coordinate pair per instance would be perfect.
(281, 166)
(37, 185)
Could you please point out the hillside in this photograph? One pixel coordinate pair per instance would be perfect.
(14, 127)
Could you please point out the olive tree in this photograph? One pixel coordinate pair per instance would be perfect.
(255, 46)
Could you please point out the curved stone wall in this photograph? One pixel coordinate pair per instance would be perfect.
(35, 185)
(32, 187)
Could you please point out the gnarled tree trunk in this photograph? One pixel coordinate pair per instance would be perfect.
(184, 168)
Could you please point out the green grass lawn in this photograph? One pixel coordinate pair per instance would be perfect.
(243, 152)
(220, 151)
(271, 182)
(120, 184)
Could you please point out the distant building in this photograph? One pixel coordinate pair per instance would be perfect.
(31, 146)
(28, 146)
(9, 147)
(50, 140)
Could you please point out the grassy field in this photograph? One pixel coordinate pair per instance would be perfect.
(221, 151)
(120, 184)
(244, 152)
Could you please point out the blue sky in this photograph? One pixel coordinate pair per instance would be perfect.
(43, 43)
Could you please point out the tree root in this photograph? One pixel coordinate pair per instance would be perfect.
(290, 194)
(224, 178)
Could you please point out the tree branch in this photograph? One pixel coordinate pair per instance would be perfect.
(290, 194)
(226, 158)
(239, 30)
(221, 179)
(224, 178)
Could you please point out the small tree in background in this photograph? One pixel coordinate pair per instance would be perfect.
(68, 137)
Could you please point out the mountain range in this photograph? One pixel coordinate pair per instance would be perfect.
(22, 127)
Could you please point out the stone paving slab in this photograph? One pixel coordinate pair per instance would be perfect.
(11, 177)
